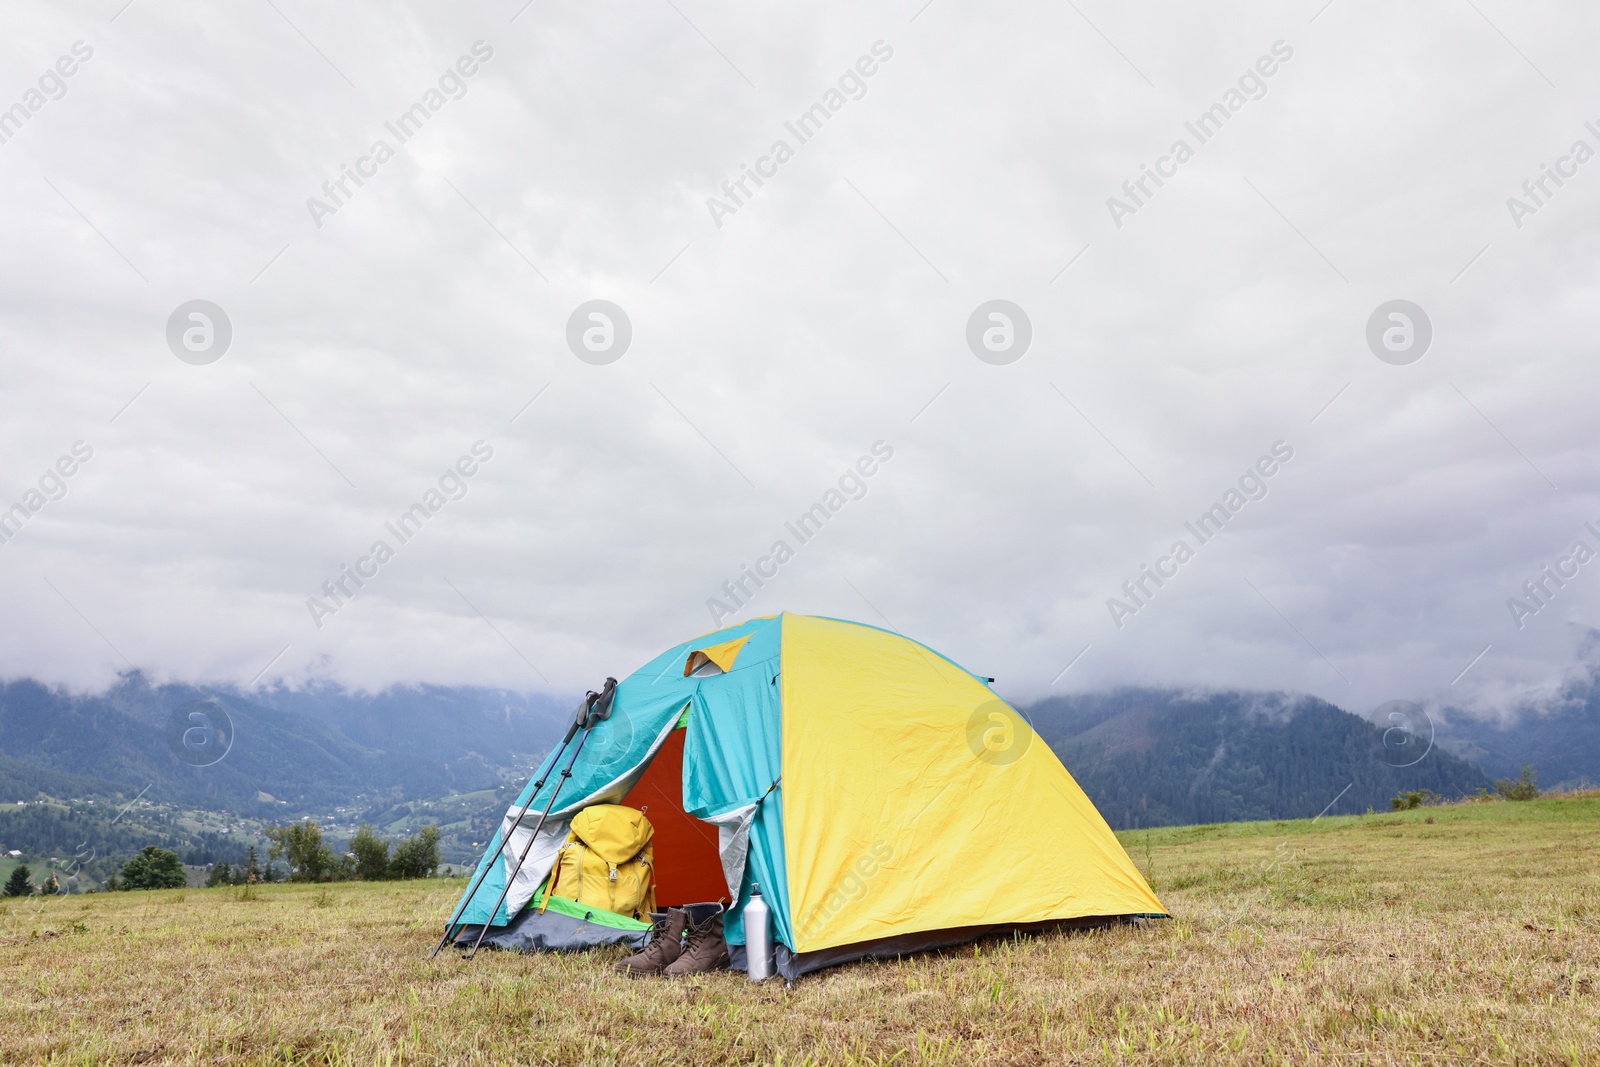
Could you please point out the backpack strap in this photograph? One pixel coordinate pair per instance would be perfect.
(579, 851)
(555, 874)
(648, 904)
(550, 886)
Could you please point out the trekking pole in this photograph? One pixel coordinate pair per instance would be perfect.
(555, 757)
(599, 710)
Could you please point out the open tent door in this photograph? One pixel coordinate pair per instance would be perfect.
(687, 866)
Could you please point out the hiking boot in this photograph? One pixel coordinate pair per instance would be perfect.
(664, 946)
(703, 950)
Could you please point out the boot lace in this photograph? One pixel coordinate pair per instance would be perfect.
(711, 928)
(658, 931)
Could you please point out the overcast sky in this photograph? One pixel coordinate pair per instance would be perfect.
(380, 331)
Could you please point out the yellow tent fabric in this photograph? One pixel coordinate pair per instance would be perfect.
(915, 800)
(722, 655)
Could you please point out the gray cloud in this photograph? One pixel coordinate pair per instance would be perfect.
(830, 312)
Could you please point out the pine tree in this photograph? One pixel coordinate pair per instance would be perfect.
(18, 884)
(252, 866)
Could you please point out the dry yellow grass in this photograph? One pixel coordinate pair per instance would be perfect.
(1444, 935)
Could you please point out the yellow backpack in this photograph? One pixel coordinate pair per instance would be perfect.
(607, 862)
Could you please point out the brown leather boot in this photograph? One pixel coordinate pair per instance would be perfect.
(703, 950)
(664, 947)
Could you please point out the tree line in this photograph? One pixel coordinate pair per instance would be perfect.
(366, 859)
(306, 858)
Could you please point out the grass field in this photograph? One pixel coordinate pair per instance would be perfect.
(1444, 935)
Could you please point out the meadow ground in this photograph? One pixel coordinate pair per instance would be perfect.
(1456, 934)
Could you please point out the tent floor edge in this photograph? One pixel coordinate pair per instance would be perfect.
(563, 927)
(792, 965)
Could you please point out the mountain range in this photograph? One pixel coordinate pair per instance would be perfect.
(1560, 740)
(1168, 757)
(309, 749)
(456, 755)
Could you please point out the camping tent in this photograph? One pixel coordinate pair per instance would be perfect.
(884, 799)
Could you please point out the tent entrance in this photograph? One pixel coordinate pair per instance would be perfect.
(688, 867)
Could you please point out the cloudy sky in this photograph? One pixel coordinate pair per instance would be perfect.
(1355, 155)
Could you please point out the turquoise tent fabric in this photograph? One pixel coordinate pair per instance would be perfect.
(733, 758)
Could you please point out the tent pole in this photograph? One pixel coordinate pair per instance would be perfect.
(555, 757)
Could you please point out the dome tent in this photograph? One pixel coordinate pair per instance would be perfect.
(884, 798)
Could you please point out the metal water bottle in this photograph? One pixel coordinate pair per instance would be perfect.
(758, 936)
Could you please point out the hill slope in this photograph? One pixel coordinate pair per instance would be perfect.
(1562, 740)
(312, 749)
(1164, 757)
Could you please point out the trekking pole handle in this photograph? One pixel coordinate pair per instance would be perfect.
(596, 707)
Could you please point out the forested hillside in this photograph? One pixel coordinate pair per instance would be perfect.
(1561, 738)
(310, 749)
(1164, 757)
